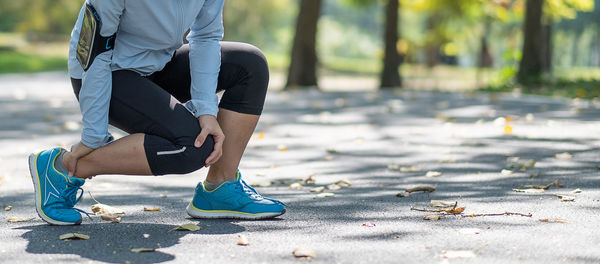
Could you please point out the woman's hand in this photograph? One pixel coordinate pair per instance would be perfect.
(70, 159)
(210, 126)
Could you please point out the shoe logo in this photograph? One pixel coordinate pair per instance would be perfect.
(48, 182)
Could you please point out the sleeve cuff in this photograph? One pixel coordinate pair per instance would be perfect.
(95, 142)
(198, 108)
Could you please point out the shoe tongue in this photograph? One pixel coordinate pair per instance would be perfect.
(76, 181)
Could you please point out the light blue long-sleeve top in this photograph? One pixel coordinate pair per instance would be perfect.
(148, 33)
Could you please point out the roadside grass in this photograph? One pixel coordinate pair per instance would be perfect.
(18, 62)
(560, 87)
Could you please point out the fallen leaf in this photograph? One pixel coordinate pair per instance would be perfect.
(393, 167)
(531, 190)
(16, 219)
(455, 210)
(332, 151)
(73, 236)
(310, 179)
(282, 147)
(151, 209)
(421, 189)
(318, 189)
(343, 183)
(103, 209)
(565, 198)
(431, 174)
(564, 221)
(544, 220)
(508, 129)
(295, 186)
(432, 217)
(304, 253)
(403, 194)
(333, 187)
(368, 224)
(563, 156)
(440, 203)
(576, 191)
(506, 172)
(111, 218)
(451, 254)
(410, 169)
(7, 207)
(140, 250)
(187, 227)
(242, 241)
(325, 195)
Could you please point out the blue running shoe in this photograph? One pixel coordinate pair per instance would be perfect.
(233, 200)
(55, 192)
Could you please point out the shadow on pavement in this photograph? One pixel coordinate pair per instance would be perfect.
(113, 242)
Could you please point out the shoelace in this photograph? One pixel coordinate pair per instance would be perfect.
(69, 198)
(243, 186)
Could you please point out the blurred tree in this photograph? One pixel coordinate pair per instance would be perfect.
(303, 66)
(537, 31)
(390, 76)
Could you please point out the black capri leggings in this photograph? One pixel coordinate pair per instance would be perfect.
(152, 105)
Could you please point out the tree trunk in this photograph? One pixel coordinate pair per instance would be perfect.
(546, 49)
(390, 77)
(485, 58)
(530, 67)
(303, 65)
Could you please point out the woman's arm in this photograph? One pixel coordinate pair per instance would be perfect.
(205, 63)
(96, 86)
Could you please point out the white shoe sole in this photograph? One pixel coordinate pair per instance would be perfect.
(211, 214)
(38, 198)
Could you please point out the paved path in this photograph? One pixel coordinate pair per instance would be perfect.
(363, 138)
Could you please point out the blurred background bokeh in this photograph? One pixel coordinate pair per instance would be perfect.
(539, 46)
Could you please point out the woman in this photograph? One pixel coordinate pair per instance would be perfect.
(163, 93)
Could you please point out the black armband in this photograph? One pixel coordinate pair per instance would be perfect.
(91, 43)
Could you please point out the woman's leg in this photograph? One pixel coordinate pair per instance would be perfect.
(244, 76)
(162, 133)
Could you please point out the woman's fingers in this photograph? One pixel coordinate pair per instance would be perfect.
(201, 138)
(217, 151)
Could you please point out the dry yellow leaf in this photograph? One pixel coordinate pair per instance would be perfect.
(282, 147)
(73, 236)
(563, 156)
(455, 210)
(440, 203)
(15, 219)
(151, 209)
(422, 188)
(508, 129)
(343, 183)
(111, 218)
(325, 195)
(103, 209)
(318, 189)
(295, 186)
(432, 217)
(242, 241)
(564, 221)
(531, 190)
(139, 250)
(261, 135)
(304, 253)
(333, 187)
(431, 174)
(187, 227)
(566, 198)
(7, 207)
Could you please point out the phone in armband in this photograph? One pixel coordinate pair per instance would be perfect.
(91, 43)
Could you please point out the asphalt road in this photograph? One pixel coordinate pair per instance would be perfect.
(370, 140)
